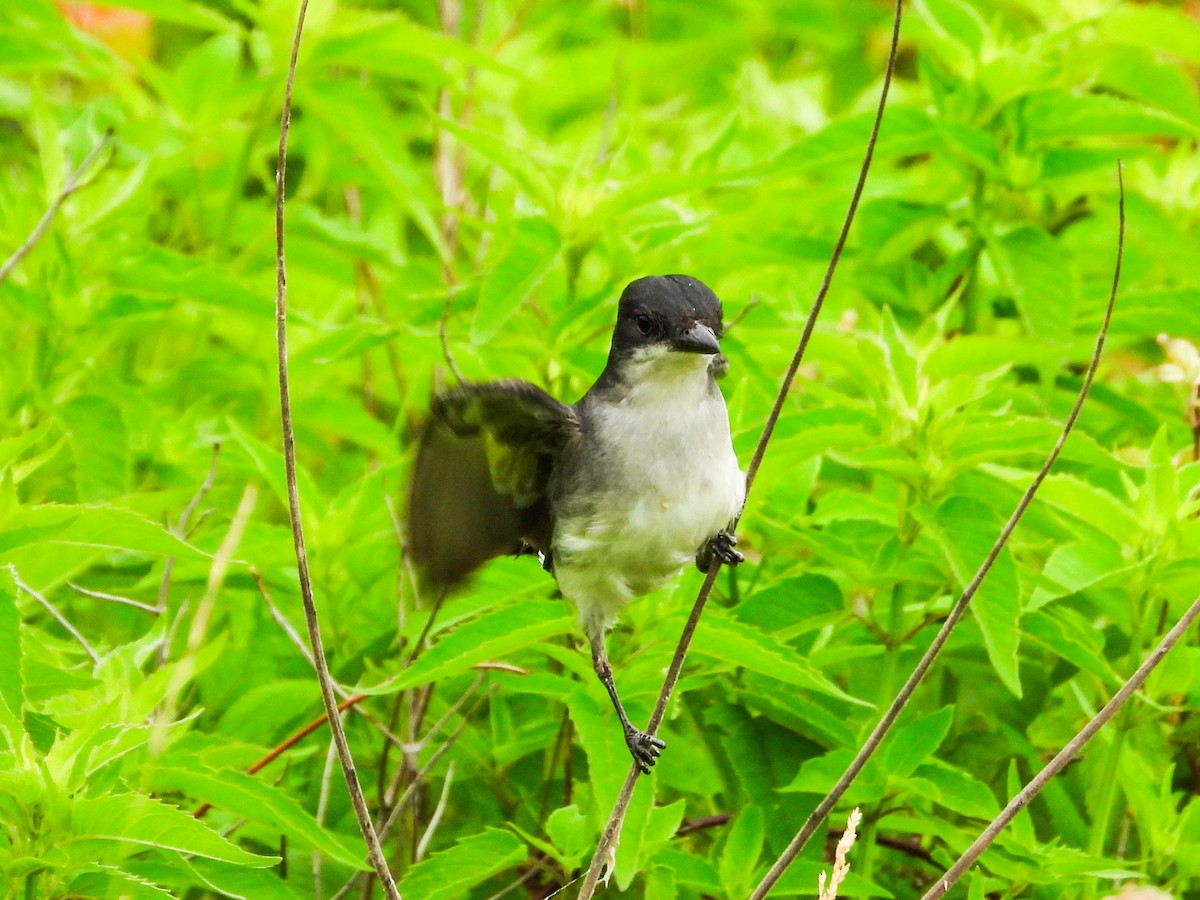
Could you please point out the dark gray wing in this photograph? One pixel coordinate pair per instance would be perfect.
(481, 476)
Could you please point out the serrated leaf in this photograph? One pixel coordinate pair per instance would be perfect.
(490, 636)
(727, 640)
(1053, 116)
(142, 821)
(251, 798)
(94, 526)
(1090, 504)
(452, 872)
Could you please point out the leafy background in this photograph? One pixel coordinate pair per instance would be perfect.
(505, 167)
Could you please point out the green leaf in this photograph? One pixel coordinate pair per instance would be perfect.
(12, 689)
(1042, 281)
(567, 827)
(451, 873)
(965, 531)
(248, 797)
(955, 789)
(727, 640)
(528, 255)
(743, 847)
(141, 822)
(521, 166)
(1053, 116)
(911, 743)
(100, 444)
(183, 12)
(94, 526)
(491, 636)
(224, 879)
(1089, 504)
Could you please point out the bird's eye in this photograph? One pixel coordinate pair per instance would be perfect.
(645, 324)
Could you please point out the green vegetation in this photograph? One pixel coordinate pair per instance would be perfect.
(509, 173)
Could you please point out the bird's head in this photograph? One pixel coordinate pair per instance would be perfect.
(675, 319)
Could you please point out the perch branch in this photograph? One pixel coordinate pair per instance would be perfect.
(608, 839)
(906, 691)
(1064, 756)
(361, 812)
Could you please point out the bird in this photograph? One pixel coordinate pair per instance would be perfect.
(615, 493)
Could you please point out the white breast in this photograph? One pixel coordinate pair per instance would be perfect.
(669, 481)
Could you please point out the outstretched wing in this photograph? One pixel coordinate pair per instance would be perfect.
(481, 476)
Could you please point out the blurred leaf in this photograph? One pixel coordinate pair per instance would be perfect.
(1040, 277)
(99, 442)
(12, 685)
(527, 256)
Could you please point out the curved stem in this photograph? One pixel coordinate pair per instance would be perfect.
(328, 696)
(606, 849)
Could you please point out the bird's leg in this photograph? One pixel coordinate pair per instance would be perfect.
(722, 546)
(644, 747)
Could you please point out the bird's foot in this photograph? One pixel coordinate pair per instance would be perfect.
(644, 747)
(723, 546)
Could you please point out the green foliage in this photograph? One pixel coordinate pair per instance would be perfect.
(499, 181)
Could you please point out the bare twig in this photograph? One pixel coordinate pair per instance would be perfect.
(322, 810)
(71, 186)
(361, 812)
(612, 828)
(438, 812)
(1064, 756)
(281, 620)
(180, 530)
(394, 813)
(906, 691)
(113, 598)
(58, 617)
(294, 637)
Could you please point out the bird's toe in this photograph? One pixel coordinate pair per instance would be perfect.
(645, 748)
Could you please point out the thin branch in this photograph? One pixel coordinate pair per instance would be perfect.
(361, 812)
(205, 486)
(281, 620)
(294, 637)
(393, 816)
(180, 530)
(322, 811)
(612, 828)
(58, 617)
(71, 186)
(1064, 756)
(113, 598)
(438, 812)
(906, 691)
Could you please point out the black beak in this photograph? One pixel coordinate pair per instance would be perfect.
(698, 339)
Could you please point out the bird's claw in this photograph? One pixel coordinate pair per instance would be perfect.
(723, 546)
(644, 747)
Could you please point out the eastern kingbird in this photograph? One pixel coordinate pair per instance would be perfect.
(615, 493)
